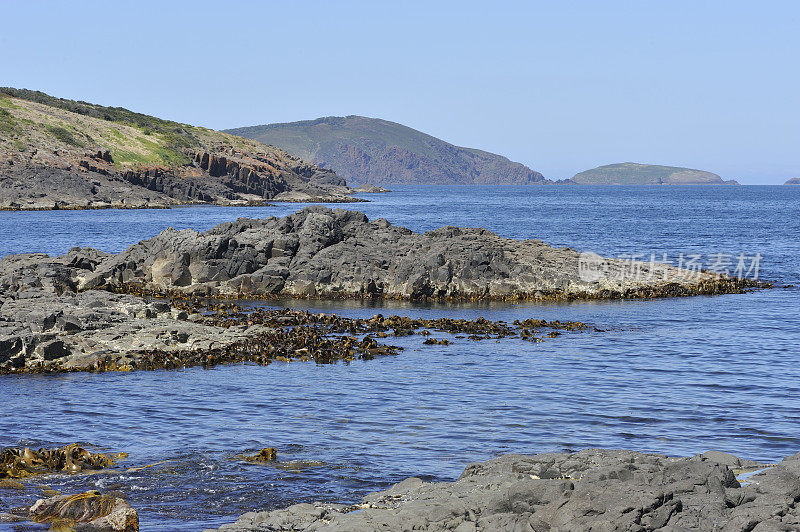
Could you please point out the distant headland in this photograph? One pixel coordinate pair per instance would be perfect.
(380, 152)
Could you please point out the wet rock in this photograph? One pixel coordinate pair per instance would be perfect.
(433, 341)
(47, 325)
(87, 511)
(564, 492)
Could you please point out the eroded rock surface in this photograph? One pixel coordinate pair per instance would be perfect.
(590, 490)
(341, 253)
(45, 326)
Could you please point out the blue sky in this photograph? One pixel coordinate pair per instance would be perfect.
(559, 86)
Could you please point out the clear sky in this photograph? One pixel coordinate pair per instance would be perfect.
(559, 86)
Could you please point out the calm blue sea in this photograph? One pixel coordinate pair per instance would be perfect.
(677, 376)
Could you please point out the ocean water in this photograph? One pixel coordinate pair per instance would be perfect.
(675, 376)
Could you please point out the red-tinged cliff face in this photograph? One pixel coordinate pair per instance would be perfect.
(58, 153)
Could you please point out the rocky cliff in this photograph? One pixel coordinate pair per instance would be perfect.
(793, 181)
(374, 151)
(57, 153)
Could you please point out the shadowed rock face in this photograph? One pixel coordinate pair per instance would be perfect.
(339, 253)
(590, 490)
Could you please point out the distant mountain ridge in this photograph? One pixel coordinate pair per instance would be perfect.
(793, 181)
(647, 174)
(380, 152)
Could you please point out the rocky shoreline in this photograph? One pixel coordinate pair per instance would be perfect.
(567, 492)
(161, 303)
(100, 331)
(51, 186)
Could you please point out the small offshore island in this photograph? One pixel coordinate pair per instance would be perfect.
(647, 174)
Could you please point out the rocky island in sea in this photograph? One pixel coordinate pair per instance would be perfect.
(793, 181)
(89, 310)
(647, 174)
(64, 154)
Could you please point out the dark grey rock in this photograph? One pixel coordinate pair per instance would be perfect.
(319, 251)
(558, 492)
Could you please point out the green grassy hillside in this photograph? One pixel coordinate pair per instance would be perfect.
(33, 120)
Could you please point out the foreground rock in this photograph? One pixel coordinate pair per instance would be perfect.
(338, 253)
(590, 490)
(48, 325)
(45, 326)
(90, 511)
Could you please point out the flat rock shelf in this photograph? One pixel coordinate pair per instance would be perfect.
(567, 492)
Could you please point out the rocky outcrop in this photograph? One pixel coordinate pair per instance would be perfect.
(338, 253)
(89, 310)
(370, 189)
(23, 462)
(793, 181)
(47, 326)
(568, 492)
(35, 187)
